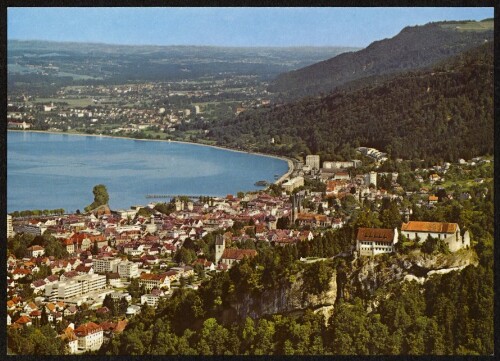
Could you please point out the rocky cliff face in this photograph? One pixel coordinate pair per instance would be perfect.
(363, 277)
(285, 299)
(368, 274)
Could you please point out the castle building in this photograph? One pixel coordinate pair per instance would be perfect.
(448, 232)
(374, 241)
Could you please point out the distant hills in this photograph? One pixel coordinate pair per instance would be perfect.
(413, 48)
(135, 63)
(443, 113)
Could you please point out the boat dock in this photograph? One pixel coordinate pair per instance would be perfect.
(176, 195)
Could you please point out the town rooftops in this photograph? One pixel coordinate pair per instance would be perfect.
(436, 227)
(375, 234)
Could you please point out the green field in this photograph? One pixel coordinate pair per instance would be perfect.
(471, 26)
(71, 102)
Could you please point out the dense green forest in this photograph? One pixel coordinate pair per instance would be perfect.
(413, 48)
(444, 113)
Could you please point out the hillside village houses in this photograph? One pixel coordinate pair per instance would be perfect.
(108, 251)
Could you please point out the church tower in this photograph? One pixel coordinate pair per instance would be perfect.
(220, 245)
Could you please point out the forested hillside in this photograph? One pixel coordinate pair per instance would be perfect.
(413, 48)
(444, 113)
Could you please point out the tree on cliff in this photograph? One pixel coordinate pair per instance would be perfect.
(101, 197)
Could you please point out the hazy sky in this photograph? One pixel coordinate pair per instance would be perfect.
(226, 26)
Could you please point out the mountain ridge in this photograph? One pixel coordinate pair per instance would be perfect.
(441, 113)
(414, 47)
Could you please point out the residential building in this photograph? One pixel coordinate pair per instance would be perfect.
(448, 232)
(232, 255)
(374, 241)
(10, 229)
(150, 281)
(35, 229)
(151, 299)
(35, 251)
(69, 337)
(433, 199)
(23, 321)
(74, 287)
(313, 162)
(371, 178)
(293, 183)
(342, 176)
(313, 220)
(133, 310)
(127, 269)
(90, 336)
(333, 165)
(129, 213)
(105, 264)
(18, 125)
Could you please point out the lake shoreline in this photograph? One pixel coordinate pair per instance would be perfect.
(281, 179)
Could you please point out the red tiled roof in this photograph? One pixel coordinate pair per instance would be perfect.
(21, 271)
(436, 227)
(108, 325)
(87, 329)
(23, 320)
(152, 277)
(120, 326)
(35, 313)
(375, 234)
(238, 254)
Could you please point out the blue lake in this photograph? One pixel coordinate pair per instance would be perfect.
(49, 171)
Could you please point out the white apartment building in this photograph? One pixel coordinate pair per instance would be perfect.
(32, 229)
(131, 228)
(313, 161)
(105, 264)
(127, 269)
(129, 213)
(77, 286)
(92, 282)
(293, 183)
(150, 299)
(10, 229)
